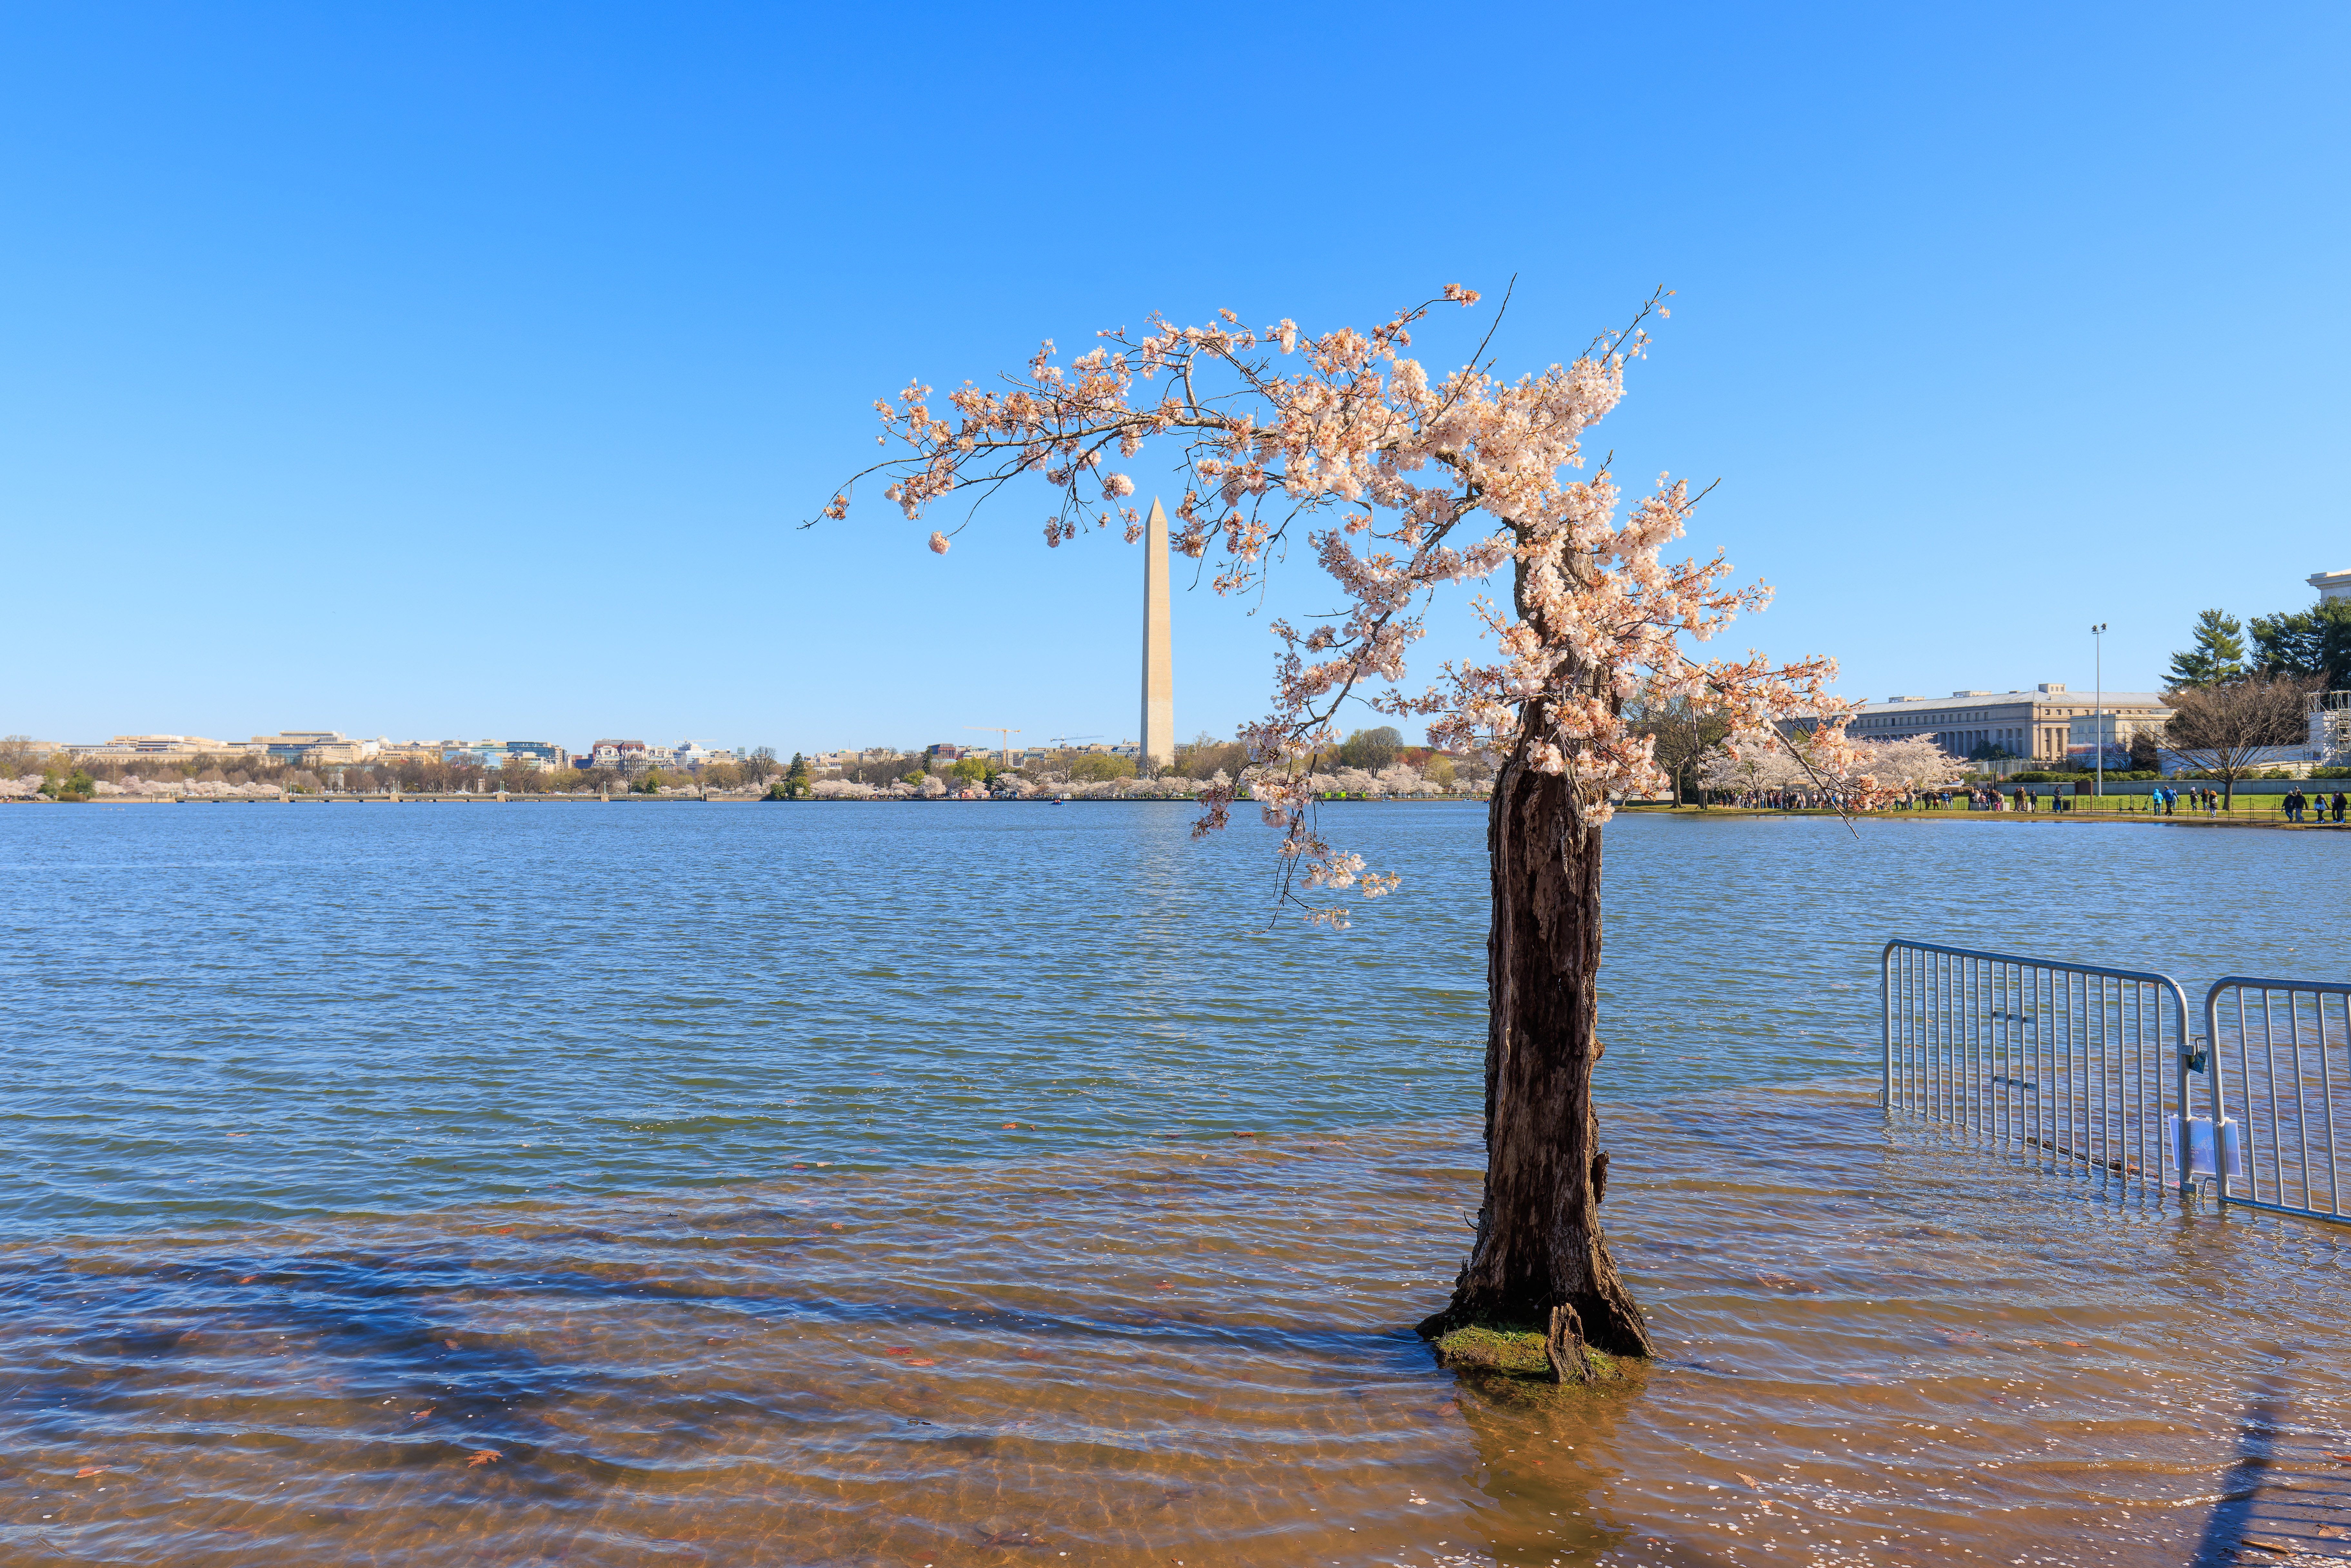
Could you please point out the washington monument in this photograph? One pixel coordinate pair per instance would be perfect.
(1158, 663)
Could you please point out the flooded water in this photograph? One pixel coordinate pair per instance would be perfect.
(993, 1184)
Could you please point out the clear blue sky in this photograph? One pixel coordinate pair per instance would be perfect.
(462, 371)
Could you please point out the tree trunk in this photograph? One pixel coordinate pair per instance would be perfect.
(1539, 1245)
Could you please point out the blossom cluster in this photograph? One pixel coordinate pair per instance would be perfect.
(1399, 483)
(1863, 772)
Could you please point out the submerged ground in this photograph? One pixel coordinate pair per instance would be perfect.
(805, 1184)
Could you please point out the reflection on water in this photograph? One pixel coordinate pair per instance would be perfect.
(1880, 1348)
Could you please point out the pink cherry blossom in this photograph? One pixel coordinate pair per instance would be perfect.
(1399, 481)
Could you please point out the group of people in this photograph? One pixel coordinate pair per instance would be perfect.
(1779, 800)
(2299, 805)
(2021, 800)
(2163, 800)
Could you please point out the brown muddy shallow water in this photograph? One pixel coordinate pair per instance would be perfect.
(971, 1188)
(1880, 1347)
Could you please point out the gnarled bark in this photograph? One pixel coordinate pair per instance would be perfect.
(1539, 1245)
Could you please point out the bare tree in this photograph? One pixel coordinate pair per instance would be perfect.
(1682, 730)
(2222, 730)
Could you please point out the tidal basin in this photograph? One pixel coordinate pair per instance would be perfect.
(846, 1184)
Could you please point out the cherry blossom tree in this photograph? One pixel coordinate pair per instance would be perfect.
(1913, 762)
(1862, 773)
(1400, 484)
(1752, 765)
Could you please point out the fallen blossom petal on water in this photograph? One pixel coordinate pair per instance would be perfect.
(92, 1470)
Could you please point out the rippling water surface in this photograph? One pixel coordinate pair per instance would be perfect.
(991, 1184)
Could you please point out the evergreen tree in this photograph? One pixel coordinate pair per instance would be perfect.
(2217, 655)
(796, 779)
(2314, 644)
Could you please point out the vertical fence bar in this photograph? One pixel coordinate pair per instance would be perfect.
(2100, 1139)
(2042, 1056)
(2268, 1075)
(2326, 1088)
(2300, 1100)
(2132, 1090)
(2217, 1066)
(2179, 1140)
(1964, 1080)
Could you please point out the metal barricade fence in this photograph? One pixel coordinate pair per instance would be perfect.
(2281, 1065)
(2074, 1067)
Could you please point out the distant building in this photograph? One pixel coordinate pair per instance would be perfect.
(2116, 729)
(945, 751)
(164, 747)
(2331, 584)
(314, 747)
(622, 754)
(2038, 724)
(547, 752)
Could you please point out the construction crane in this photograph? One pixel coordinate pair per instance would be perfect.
(1061, 742)
(1005, 754)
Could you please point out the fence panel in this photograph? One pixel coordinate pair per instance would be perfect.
(2282, 1070)
(2073, 1068)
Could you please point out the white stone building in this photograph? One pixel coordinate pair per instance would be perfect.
(2038, 724)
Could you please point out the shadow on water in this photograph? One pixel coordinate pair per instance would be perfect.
(2240, 1486)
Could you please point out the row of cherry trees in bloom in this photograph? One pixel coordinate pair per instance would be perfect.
(1397, 782)
(24, 787)
(1889, 767)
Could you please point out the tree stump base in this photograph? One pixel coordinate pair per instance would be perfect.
(1523, 1350)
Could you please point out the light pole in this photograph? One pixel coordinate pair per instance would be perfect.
(2098, 712)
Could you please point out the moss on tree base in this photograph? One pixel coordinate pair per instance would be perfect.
(1517, 1353)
